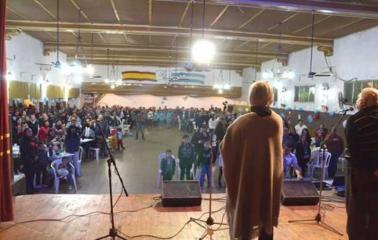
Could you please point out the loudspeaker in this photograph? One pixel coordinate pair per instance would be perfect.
(299, 193)
(181, 194)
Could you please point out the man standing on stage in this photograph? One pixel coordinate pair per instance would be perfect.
(362, 185)
(252, 154)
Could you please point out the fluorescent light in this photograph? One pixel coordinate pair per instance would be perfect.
(112, 86)
(226, 86)
(220, 91)
(203, 51)
(325, 11)
(90, 69)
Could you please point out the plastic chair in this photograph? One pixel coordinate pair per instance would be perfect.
(58, 178)
(81, 151)
(317, 164)
(96, 152)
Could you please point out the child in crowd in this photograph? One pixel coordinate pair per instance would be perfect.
(41, 166)
(168, 165)
(290, 162)
(186, 156)
(65, 170)
(205, 162)
(120, 139)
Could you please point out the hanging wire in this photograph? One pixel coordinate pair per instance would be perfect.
(191, 24)
(78, 35)
(312, 41)
(57, 32)
(107, 66)
(203, 18)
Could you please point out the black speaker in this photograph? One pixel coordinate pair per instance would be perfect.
(299, 193)
(181, 194)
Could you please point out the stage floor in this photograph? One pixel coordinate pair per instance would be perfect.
(149, 219)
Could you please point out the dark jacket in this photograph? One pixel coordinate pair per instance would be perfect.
(204, 157)
(361, 134)
(168, 165)
(72, 140)
(186, 152)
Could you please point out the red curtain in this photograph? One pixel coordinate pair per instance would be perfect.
(6, 199)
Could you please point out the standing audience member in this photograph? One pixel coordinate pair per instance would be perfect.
(120, 139)
(205, 162)
(72, 144)
(140, 122)
(303, 153)
(320, 134)
(28, 153)
(252, 154)
(299, 127)
(362, 178)
(168, 165)
(186, 158)
(41, 166)
(43, 132)
(335, 146)
(33, 124)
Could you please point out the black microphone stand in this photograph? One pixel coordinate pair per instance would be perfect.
(322, 152)
(113, 234)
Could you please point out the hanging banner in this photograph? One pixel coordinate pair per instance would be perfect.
(188, 78)
(138, 76)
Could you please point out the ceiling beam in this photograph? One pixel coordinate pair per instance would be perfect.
(340, 27)
(45, 8)
(282, 22)
(115, 11)
(251, 19)
(185, 12)
(165, 31)
(326, 7)
(219, 16)
(310, 25)
(15, 13)
(160, 60)
(156, 49)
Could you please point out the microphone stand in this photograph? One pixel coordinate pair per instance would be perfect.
(318, 217)
(113, 234)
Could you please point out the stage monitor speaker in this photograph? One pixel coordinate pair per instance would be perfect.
(181, 194)
(299, 193)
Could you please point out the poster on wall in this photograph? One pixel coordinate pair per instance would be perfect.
(88, 99)
(138, 76)
(187, 78)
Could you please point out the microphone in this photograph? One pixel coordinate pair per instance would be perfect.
(347, 110)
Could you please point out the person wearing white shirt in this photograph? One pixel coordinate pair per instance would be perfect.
(299, 127)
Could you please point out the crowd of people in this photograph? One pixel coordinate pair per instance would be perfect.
(43, 135)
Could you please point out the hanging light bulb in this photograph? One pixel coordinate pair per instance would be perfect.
(226, 86)
(220, 91)
(90, 69)
(203, 51)
(112, 86)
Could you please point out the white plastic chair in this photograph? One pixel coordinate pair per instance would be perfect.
(81, 151)
(57, 178)
(96, 152)
(317, 164)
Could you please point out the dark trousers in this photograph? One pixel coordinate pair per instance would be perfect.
(185, 167)
(362, 204)
(332, 168)
(139, 128)
(29, 178)
(41, 171)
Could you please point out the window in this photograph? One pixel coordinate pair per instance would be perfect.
(352, 89)
(275, 92)
(304, 94)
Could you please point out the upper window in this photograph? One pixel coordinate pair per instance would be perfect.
(304, 94)
(352, 89)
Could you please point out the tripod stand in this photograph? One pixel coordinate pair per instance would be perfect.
(113, 234)
(318, 217)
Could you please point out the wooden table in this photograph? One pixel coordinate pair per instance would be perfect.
(157, 220)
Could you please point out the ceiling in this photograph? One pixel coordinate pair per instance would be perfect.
(159, 32)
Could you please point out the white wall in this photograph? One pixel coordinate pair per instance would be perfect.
(24, 54)
(355, 57)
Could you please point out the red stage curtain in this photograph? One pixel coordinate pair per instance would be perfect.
(6, 199)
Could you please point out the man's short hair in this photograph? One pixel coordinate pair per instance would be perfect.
(261, 94)
(367, 98)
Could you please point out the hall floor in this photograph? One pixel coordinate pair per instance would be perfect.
(137, 164)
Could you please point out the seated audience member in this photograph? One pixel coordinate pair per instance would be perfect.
(205, 162)
(303, 153)
(299, 127)
(290, 163)
(186, 158)
(65, 170)
(168, 165)
(335, 146)
(119, 139)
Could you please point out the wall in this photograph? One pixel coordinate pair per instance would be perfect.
(354, 57)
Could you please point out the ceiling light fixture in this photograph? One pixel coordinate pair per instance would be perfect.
(203, 50)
